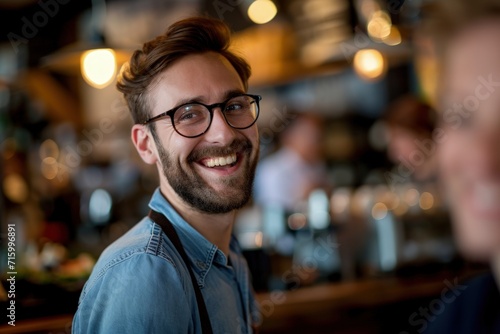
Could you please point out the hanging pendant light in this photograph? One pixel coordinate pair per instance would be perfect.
(97, 63)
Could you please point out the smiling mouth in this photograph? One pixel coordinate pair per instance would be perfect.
(225, 161)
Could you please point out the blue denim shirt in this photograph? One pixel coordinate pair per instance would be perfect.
(141, 285)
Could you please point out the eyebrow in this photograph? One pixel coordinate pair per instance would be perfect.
(201, 98)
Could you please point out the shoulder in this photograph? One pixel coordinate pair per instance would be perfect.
(141, 293)
(467, 306)
(144, 237)
(137, 278)
(141, 249)
(477, 292)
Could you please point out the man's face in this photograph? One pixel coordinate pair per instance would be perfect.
(207, 78)
(469, 155)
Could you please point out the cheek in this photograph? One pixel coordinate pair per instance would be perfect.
(252, 134)
(179, 147)
(449, 155)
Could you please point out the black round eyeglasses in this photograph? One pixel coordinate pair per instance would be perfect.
(194, 119)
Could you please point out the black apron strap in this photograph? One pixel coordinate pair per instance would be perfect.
(169, 230)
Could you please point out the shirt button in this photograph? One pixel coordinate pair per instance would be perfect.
(201, 265)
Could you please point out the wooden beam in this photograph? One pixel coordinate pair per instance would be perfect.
(59, 103)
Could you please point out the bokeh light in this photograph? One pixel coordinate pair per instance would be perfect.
(15, 188)
(426, 200)
(369, 64)
(98, 67)
(379, 211)
(262, 11)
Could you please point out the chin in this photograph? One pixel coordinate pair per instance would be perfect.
(476, 252)
(477, 240)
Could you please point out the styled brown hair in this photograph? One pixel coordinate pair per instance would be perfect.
(189, 36)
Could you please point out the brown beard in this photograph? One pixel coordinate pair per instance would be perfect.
(193, 189)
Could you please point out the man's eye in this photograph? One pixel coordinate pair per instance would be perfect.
(188, 114)
(234, 107)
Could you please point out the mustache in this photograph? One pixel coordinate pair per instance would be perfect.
(237, 145)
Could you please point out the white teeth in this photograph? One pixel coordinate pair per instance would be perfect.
(221, 161)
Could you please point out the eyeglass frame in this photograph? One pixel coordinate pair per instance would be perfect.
(210, 108)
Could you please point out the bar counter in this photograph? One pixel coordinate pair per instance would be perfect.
(377, 305)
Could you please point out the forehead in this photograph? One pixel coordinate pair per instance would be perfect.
(471, 77)
(474, 52)
(206, 76)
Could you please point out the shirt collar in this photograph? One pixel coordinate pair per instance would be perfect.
(202, 252)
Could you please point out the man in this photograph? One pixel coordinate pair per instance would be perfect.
(469, 159)
(193, 120)
(286, 178)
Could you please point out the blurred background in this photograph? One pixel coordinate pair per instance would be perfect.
(346, 232)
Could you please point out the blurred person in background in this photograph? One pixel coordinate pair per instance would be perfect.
(286, 177)
(466, 34)
(410, 123)
(180, 270)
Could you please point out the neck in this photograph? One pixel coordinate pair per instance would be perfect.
(216, 228)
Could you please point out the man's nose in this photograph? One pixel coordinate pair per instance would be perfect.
(220, 131)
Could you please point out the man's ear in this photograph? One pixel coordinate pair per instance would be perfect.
(144, 143)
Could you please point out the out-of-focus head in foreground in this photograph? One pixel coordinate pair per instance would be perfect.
(469, 103)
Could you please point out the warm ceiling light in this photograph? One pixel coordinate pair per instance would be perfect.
(369, 64)
(394, 37)
(262, 11)
(379, 26)
(98, 67)
(101, 62)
